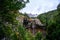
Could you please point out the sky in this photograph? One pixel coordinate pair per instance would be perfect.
(40, 6)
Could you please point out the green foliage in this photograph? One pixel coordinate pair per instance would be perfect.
(29, 36)
(8, 13)
(58, 7)
(22, 32)
(38, 36)
(12, 4)
(47, 16)
(52, 21)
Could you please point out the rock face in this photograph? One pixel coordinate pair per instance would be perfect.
(38, 22)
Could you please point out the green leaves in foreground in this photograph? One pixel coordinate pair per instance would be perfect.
(38, 36)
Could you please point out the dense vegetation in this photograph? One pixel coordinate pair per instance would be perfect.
(52, 21)
(8, 23)
(10, 28)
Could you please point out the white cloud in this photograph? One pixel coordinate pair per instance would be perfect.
(40, 6)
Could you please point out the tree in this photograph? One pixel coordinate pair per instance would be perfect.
(53, 21)
(58, 7)
(8, 14)
(54, 27)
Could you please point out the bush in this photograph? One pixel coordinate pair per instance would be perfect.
(38, 36)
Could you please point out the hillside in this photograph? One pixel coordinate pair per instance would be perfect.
(46, 17)
(52, 21)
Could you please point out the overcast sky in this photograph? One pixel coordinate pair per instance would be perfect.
(40, 6)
